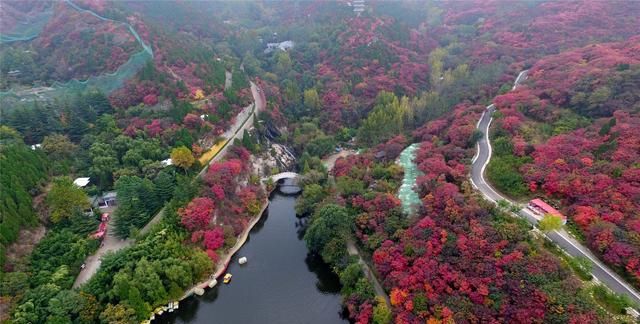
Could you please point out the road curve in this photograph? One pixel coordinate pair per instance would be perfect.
(600, 271)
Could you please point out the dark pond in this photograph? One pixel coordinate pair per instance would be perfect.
(280, 283)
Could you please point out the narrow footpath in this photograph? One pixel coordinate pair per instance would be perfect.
(227, 79)
(329, 162)
(352, 249)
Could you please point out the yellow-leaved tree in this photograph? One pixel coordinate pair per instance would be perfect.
(182, 157)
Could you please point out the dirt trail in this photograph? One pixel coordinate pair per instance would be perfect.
(330, 160)
(110, 243)
(227, 79)
(29, 237)
(352, 249)
(27, 240)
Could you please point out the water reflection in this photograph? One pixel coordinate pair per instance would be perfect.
(328, 282)
(281, 283)
(288, 187)
(301, 226)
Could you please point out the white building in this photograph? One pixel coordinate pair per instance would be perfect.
(81, 182)
(166, 162)
(108, 199)
(283, 46)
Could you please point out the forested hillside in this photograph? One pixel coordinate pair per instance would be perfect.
(569, 134)
(18, 183)
(71, 45)
(176, 106)
(374, 82)
(458, 259)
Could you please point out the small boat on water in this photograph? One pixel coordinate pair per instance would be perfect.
(242, 260)
(173, 306)
(198, 291)
(227, 278)
(213, 283)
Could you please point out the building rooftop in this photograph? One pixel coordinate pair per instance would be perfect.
(81, 182)
(109, 194)
(166, 162)
(284, 46)
(547, 208)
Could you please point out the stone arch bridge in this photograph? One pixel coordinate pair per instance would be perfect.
(283, 175)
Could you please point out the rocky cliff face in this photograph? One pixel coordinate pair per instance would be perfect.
(283, 156)
(278, 158)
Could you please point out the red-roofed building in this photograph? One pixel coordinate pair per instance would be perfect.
(540, 208)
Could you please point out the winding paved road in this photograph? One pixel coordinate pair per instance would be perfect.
(600, 271)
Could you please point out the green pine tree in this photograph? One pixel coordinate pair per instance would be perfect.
(164, 186)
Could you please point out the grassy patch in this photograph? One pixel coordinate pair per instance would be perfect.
(611, 301)
(503, 170)
(575, 231)
(504, 173)
(580, 266)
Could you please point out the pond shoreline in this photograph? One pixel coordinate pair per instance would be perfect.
(223, 264)
(260, 290)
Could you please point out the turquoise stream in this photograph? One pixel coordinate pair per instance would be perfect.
(407, 194)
